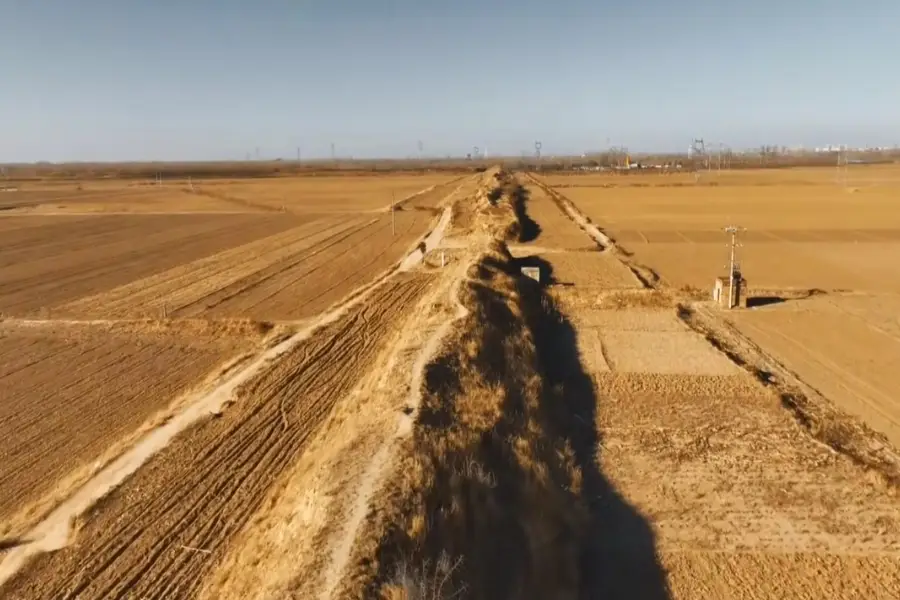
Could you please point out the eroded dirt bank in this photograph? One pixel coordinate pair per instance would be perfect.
(497, 492)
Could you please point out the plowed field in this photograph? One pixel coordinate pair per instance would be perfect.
(121, 199)
(59, 259)
(291, 275)
(846, 347)
(715, 490)
(158, 534)
(71, 392)
(747, 495)
(340, 194)
(802, 230)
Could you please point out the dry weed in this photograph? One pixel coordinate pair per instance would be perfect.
(486, 477)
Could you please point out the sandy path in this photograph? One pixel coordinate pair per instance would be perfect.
(137, 541)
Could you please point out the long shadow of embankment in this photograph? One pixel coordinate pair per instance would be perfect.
(529, 230)
(499, 494)
(618, 557)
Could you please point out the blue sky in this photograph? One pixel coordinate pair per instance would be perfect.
(205, 79)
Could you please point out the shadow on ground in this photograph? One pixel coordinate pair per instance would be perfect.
(618, 555)
(499, 494)
(529, 230)
(755, 301)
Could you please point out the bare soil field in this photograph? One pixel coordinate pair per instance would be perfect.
(748, 496)
(837, 266)
(805, 234)
(160, 532)
(101, 348)
(586, 270)
(260, 264)
(803, 230)
(65, 258)
(846, 347)
(120, 199)
(287, 276)
(460, 430)
(751, 505)
(854, 176)
(71, 392)
(332, 193)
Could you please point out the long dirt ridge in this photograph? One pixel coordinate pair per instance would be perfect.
(125, 542)
(489, 495)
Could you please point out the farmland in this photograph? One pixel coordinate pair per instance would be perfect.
(279, 387)
(255, 263)
(819, 258)
(124, 305)
(803, 230)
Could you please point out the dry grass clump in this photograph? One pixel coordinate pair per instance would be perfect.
(622, 299)
(503, 207)
(486, 501)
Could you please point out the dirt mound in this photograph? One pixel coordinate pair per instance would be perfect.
(489, 495)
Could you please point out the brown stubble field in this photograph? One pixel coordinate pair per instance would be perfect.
(822, 260)
(121, 302)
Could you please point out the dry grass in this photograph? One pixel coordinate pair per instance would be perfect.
(486, 499)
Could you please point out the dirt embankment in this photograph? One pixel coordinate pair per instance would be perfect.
(493, 494)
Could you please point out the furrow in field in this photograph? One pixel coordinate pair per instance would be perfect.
(313, 285)
(74, 395)
(165, 528)
(190, 282)
(48, 278)
(274, 273)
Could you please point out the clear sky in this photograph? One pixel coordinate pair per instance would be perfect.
(216, 79)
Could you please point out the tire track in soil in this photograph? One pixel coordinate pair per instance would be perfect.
(356, 269)
(162, 531)
(222, 300)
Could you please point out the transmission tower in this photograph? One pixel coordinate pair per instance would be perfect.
(697, 152)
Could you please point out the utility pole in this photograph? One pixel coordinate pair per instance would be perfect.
(735, 279)
(393, 204)
(332, 150)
